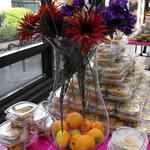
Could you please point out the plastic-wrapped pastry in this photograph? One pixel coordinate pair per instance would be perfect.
(119, 92)
(144, 126)
(145, 115)
(129, 109)
(137, 100)
(114, 76)
(9, 136)
(125, 138)
(22, 109)
(110, 106)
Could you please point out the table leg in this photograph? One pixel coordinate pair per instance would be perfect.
(141, 51)
(144, 49)
(135, 48)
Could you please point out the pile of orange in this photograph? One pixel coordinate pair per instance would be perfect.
(77, 133)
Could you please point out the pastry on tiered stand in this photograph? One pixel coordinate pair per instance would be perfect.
(120, 82)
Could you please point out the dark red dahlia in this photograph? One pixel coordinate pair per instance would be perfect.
(28, 26)
(50, 10)
(87, 28)
(51, 20)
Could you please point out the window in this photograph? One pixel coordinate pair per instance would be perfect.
(25, 74)
(11, 13)
(19, 74)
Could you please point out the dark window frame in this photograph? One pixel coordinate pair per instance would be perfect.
(39, 88)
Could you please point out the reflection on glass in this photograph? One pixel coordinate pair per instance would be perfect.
(18, 74)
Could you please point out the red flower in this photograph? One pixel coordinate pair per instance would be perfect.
(50, 10)
(51, 20)
(28, 26)
(87, 28)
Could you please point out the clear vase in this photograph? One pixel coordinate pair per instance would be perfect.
(79, 105)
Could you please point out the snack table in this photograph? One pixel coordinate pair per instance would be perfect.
(142, 44)
(44, 144)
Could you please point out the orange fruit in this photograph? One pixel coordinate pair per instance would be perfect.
(73, 140)
(57, 126)
(62, 139)
(99, 125)
(97, 135)
(85, 142)
(86, 126)
(74, 120)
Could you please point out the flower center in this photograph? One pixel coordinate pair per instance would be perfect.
(86, 29)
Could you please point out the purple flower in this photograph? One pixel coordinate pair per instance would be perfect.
(127, 25)
(78, 3)
(67, 10)
(101, 11)
(126, 30)
(118, 18)
(121, 3)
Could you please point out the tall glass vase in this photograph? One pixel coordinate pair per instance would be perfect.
(76, 101)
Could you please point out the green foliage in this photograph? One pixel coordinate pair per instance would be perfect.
(2, 17)
(13, 16)
(7, 34)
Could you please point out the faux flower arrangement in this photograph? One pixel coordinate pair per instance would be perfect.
(74, 29)
(77, 20)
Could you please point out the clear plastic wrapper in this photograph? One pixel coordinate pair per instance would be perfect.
(129, 109)
(110, 106)
(114, 76)
(125, 138)
(43, 120)
(126, 117)
(145, 115)
(119, 92)
(6, 131)
(137, 100)
(144, 126)
(146, 106)
(10, 136)
(21, 109)
(19, 122)
(106, 55)
(115, 123)
(110, 82)
(119, 99)
(44, 105)
(109, 48)
(115, 68)
(104, 62)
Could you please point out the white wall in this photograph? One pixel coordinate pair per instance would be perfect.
(5, 4)
(107, 2)
(140, 12)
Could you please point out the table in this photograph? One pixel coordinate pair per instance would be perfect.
(44, 144)
(142, 44)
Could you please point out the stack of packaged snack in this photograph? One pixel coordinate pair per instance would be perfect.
(22, 120)
(122, 85)
(144, 122)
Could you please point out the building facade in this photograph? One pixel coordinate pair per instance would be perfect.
(30, 4)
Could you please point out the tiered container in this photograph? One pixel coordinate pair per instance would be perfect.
(121, 85)
(23, 119)
(15, 132)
